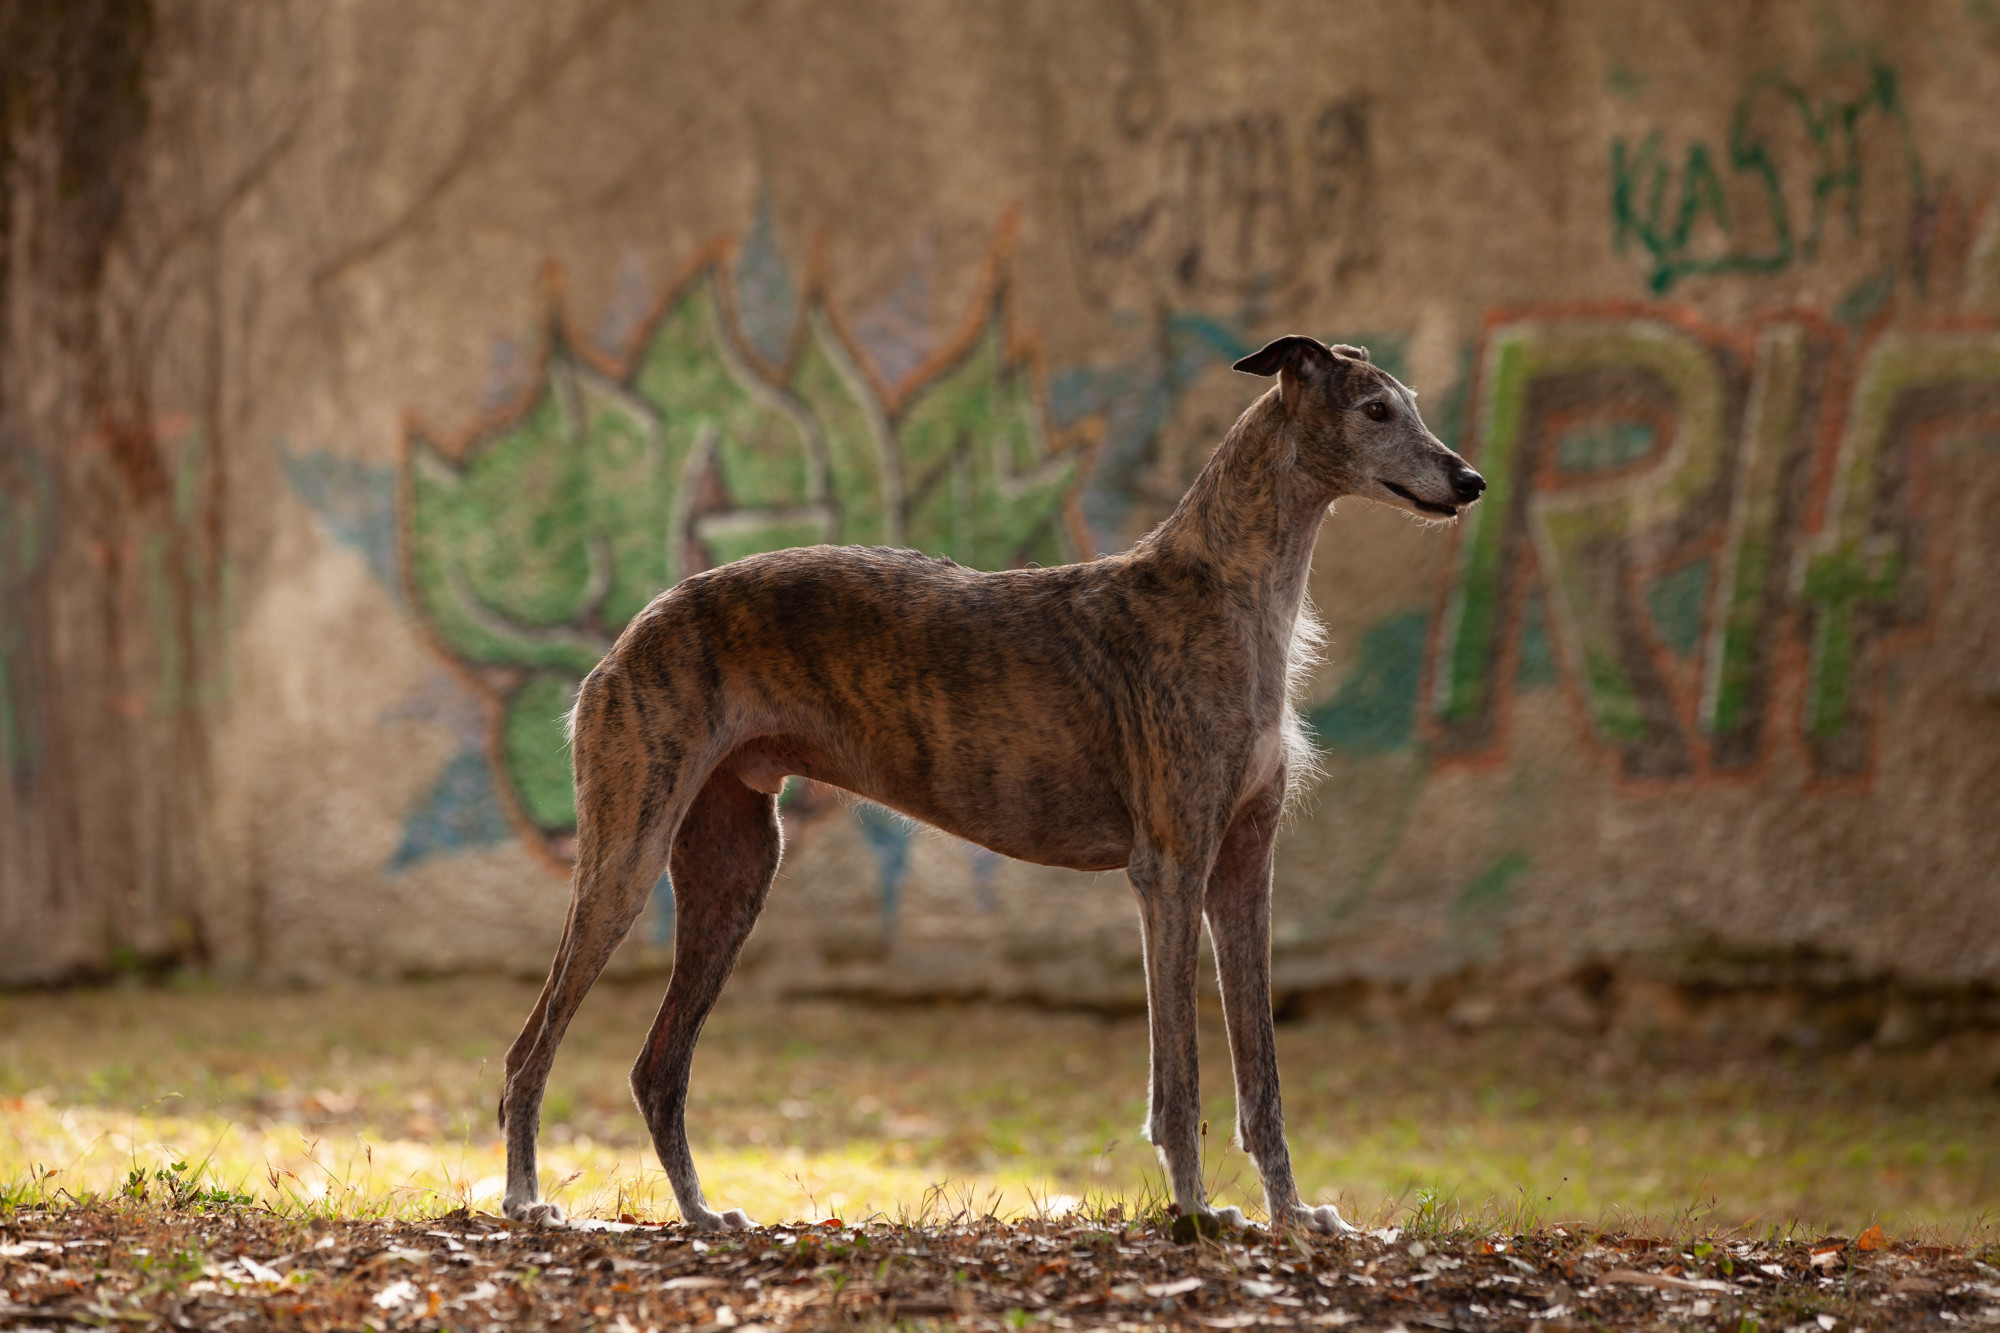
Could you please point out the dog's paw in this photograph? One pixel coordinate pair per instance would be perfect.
(1325, 1220)
(535, 1212)
(709, 1220)
(1214, 1223)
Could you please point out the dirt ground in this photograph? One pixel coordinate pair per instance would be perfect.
(105, 1266)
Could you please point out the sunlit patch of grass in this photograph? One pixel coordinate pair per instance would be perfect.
(377, 1100)
(54, 1153)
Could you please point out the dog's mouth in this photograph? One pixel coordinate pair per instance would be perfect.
(1422, 506)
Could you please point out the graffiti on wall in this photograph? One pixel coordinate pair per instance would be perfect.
(355, 503)
(1795, 164)
(1243, 208)
(1198, 228)
(1700, 524)
(531, 541)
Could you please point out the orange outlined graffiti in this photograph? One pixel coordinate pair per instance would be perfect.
(1720, 522)
(529, 541)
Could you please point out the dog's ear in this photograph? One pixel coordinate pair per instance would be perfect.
(1289, 358)
(1348, 349)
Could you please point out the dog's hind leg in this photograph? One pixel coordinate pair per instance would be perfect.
(1239, 921)
(603, 907)
(627, 809)
(723, 861)
(1169, 893)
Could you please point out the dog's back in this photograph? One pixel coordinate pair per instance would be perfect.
(961, 698)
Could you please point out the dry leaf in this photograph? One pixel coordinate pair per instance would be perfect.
(1626, 1277)
(258, 1271)
(395, 1294)
(1874, 1238)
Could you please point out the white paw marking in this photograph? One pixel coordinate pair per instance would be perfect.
(1229, 1217)
(733, 1220)
(538, 1214)
(1326, 1220)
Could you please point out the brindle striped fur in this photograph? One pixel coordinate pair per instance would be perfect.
(1130, 712)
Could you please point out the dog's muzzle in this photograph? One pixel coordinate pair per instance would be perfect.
(1466, 486)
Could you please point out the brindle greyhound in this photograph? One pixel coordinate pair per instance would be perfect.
(1134, 711)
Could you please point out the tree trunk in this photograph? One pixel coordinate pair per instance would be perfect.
(110, 528)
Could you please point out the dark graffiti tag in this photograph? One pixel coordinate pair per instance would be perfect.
(1240, 208)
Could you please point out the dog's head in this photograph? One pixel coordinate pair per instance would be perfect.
(1358, 430)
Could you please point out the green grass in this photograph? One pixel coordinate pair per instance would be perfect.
(379, 1100)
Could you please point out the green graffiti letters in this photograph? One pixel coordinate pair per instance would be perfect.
(1864, 572)
(1591, 531)
(1653, 478)
(1776, 129)
(532, 545)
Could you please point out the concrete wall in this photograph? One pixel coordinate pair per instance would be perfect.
(476, 325)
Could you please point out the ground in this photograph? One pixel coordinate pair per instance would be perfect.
(206, 1154)
(210, 1270)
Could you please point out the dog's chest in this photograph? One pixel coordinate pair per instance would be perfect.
(1266, 709)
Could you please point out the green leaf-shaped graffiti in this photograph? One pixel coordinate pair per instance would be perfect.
(531, 548)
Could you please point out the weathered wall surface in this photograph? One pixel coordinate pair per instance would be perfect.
(452, 335)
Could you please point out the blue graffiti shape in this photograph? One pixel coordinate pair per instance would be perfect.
(1536, 669)
(888, 836)
(631, 303)
(663, 910)
(1136, 400)
(510, 372)
(896, 331)
(767, 300)
(459, 812)
(1375, 709)
(1676, 600)
(985, 866)
(356, 503)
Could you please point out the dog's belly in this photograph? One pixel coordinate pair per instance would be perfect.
(1049, 810)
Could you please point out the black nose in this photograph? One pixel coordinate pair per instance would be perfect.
(1467, 485)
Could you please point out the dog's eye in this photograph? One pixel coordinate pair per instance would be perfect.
(1377, 411)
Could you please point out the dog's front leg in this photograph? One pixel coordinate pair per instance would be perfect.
(1239, 921)
(1170, 895)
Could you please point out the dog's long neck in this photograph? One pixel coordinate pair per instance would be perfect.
(1250, 519)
